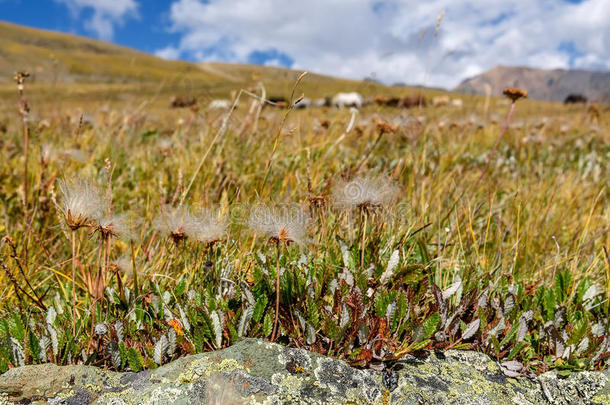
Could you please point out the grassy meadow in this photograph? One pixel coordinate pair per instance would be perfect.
(145, 233)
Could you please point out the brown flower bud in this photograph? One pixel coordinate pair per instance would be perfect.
(515, 93)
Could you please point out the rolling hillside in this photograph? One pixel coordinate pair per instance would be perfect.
(550, 85)
(51, 57)
(82, 64)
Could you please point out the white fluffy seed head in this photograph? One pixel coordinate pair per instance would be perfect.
(364, 192)
(174, 222)
(125, 265)
(205, 227)
(282, 223)
(47, 153)
(81, 202)
(118, 226)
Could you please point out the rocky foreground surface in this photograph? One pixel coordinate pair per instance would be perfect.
(258, 372)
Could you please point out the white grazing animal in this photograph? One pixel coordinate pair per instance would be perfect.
(352, 99)
(304, 103)
(219, 104)
(457, 103)
(439, 101)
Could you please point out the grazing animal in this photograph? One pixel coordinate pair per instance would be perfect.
(575, 99)
(412, 101)
(386, 101)
(183, 101)
(439, 101)
(277, 99)
(304, 103)
(352, 99)
(322, 102)
(219, 104)
(457, 103)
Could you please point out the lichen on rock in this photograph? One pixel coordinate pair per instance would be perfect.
(257, 372)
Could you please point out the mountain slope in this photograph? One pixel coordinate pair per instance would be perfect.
(51, 56)
(56, 58)
(552, 85)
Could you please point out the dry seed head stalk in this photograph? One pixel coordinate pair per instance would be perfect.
(205, 227)
(174, 222)
(317, 201)
(165, 145)
(125, 265)
(439, 20)
(116, 226)
(282, 224)
(515, 93)
(81, 203)
(364, 193)
(385, 127)
(47, 154)
(19, 78)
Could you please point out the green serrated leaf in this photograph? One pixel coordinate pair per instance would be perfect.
(563, 279)
(34, 346)
(313, 313)
(401, 311)
(516, 350)
(17, 330)
(511, 334)
(123, 354)
(180, 288)
(550, 303)
(431, 324)
(419, 345)
(134, 359)
(331, 328)
(198, 340)
(268, 325)
(259, 308)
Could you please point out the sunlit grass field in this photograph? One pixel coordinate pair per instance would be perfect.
(443, 246)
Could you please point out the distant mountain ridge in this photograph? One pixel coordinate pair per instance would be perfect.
(541, 84)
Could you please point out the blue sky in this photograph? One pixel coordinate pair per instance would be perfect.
(145, 29)
(436, 42)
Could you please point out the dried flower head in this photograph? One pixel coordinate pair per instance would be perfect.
(364, 193)
(47, 154)
(385, 126)
(317, 201)
(125, 265)
(116, 226)
(19, 78)
(283, 224)
(73, 154)
(206, 227)
(174, 222)
(515, 93)
(81, 202)
(165, 146)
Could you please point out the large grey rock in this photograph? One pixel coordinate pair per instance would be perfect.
(253, 371)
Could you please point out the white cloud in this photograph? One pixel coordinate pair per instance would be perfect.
(169, 52)
(358, 38)
(106, 14)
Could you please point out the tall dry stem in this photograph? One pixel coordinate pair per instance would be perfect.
(73, 281)
(279, 130)
(277, 291)
(24, 110)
